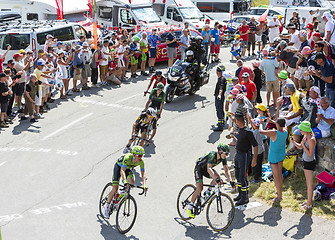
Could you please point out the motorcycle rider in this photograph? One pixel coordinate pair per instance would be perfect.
(193, 69)
(197, 48)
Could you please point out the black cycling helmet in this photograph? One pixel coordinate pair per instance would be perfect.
(160, 86)
(224, 148)
(158, 73)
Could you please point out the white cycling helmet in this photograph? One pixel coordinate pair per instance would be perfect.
(189, 53)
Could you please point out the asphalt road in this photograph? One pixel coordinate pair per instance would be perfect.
(52, 172)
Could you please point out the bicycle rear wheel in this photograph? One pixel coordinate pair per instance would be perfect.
(220, 212)
(103, 198)
(126, 215)
(183, 200)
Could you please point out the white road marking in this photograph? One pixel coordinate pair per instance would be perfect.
(248, 206)
(125, 99)
(39, 211)
(66, 126)
(114, 105)
(38, 150)
(1, 164)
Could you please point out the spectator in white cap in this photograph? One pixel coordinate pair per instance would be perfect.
(329, 27)
(274, 25)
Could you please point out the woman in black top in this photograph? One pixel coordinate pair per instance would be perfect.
(258, 80)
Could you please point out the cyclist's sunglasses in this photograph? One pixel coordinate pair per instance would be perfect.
(141, 155)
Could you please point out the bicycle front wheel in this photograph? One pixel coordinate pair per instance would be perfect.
(126, 215)
(103, 198)
(183, 200)
(220, 212)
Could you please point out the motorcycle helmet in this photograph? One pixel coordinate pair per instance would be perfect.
(158, 73)
(138, 150)
(224, 148)
(198, 38)
(151, 112)
(160, 86)
(189, 53)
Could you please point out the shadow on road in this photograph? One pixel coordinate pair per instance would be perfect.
(110, 232)
(188, 103)
(270, 216)
(25, 125)
(150, 149)
(304, 227)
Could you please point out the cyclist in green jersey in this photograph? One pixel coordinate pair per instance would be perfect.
(204, 167)
(156, 99)
(123, 169)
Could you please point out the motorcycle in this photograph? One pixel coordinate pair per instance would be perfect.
(180, 81)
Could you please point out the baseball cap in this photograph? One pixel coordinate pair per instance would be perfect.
(85, 44)
(234, 91)
(245, 74)
(316, 89)
(59, 43)
(310, 26)
(40, 63)
(3, 75)
(49, 36)
(291, 25)
(265, 52)
(317, 34)
(256, 121)
(22, 51)
(16, 55)
(306, 50)
(240, 96)
(78, 47)
(50, 55)
(261, 107)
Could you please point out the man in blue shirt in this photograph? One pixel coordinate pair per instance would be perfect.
(326, 74)
(171, 48)
(215, 46)
(206, 36)
(152, 39)
(78, 67)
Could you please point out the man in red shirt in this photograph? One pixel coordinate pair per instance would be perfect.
(157, 77)
(251, 88)
(242, 69)
(244, 35)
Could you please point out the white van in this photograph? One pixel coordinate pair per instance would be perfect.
(177, 12)
(221, 10)
(32, 35)
(115, 14)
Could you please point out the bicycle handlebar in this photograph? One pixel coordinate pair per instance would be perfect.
(134, 186)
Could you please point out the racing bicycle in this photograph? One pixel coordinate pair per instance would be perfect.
(124, 205)
(220, 207)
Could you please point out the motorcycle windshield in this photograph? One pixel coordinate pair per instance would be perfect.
(179, 67)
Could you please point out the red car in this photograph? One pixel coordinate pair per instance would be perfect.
(161, 46)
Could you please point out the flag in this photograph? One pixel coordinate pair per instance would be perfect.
(60, 13)
(263, 17)
(90, 6)
(95, 26)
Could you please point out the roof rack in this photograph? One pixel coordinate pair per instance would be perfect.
(33, 24)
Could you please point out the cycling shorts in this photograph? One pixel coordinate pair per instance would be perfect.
(143, 130)
(200, 172)
(117, 174)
